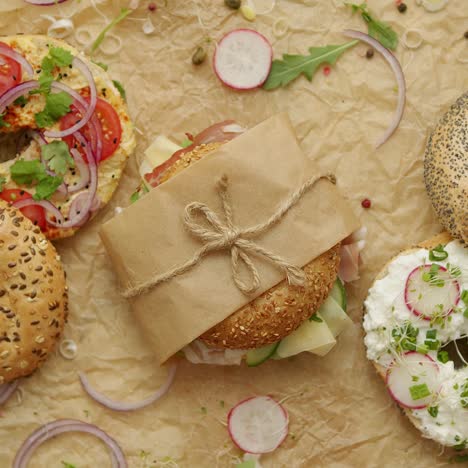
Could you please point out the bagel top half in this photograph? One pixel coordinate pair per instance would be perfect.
(446, 169)
(34, 48)
(280, 310)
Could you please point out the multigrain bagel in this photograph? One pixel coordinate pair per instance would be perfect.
(446, 422)
(278, 311)
(33, 296)
(446, 169)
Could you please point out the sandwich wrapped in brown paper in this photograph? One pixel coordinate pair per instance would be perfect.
(264, 166)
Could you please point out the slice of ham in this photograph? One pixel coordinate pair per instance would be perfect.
(350, 255)
(220, 132)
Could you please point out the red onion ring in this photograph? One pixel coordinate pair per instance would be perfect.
(78, 63)
(47, 431)
(77, 219)
(44, 2)
(119, 406)
(47, 205)
(82, 106)
(396, 67)
(14, 93)
(8, 52)
(82, 169)
(6, 390)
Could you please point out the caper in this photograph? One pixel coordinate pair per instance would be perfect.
(199, 56)
(234, 4)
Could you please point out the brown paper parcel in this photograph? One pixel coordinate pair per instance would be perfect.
(264, 166)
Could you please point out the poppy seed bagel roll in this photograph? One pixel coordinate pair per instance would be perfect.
(277, 312)
(446, 169)
(33, 295)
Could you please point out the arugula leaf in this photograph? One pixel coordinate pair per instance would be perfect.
(2, 182)
(58, 156)
(57, 105)
(124, 12)
(28, 172)
(120, 89)
(2, 122)
(379, 30)
(286, 70)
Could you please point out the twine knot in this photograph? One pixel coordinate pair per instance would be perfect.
(216, 235)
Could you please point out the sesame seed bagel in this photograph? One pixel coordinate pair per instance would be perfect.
(280, 310)
(446, 169)
(33, 296)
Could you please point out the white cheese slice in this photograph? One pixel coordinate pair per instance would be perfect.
(334, 316)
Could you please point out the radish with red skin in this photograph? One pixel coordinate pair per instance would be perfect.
(242, 59)
(258, 424)
(424, 298)
(408, 370)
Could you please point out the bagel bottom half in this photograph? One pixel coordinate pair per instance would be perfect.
(280, 310)
(429, 244)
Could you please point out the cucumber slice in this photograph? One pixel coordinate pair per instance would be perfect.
(338, 292)
(255, 357)
(334, 316)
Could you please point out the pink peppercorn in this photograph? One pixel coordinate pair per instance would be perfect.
(152, 6)
(366, 203)
(326, 70)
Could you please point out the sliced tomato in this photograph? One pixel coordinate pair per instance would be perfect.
(10, 73)
(110, 124)
(34, 212)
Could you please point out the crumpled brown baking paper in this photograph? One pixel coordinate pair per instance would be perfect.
(264, 166)
(341, 415)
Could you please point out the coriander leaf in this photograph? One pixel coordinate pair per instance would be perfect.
(2, 182)
(286, 70)
(58, 156)
(27, 172)
(60, 57)
(21, 101)
(57, 105)
(2, 122)
(377, 29)
(124, 12)
(47, 187)
(120, 89)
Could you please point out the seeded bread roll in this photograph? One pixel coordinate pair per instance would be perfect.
(33, 296)
(278, 311)
(446, 169)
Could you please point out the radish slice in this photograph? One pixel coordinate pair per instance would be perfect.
(413, 380)
(430, 293)
(258, 424)
(242, 59)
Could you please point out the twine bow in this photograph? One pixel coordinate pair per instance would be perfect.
(219, 235)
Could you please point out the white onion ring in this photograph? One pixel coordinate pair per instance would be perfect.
(25, 65)
(60, 28)
(119, 406)
(14, 93)
(80, 65)
(49, 430)
(400, 77)
(6, 390)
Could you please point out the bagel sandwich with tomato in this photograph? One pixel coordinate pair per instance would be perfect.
(283, 321)
(74, 128)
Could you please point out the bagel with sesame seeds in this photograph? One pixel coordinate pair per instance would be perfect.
(261, 326)
(446, 169)
(33, 296)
